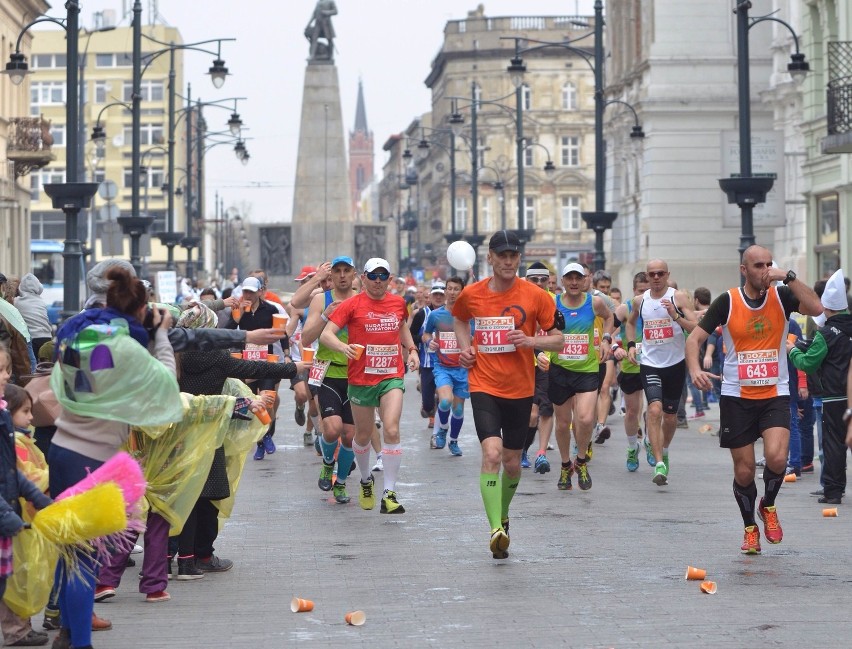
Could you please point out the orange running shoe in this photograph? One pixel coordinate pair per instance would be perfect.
(751, 540)
(771, 527)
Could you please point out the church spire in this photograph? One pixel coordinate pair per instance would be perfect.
(360, 111)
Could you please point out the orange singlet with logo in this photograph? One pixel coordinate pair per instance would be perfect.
(755, 348)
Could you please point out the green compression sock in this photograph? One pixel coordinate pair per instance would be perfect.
(489, 486)
(508, 486)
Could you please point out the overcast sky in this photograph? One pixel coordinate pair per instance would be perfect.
(389, 44)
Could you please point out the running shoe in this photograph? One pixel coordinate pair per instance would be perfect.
(565, 473)
(808, 468)
(103, 593)
(697, 415)
(525, 460)
(379, 465)
(550, 446)
(259, 453)
(390, 505)
(661, 474)
(771, 527)
(542, 466)
(584, 480)
(433, 441)
(308, 438)
(499, 543)
(666, 462)
(268, 444)
(589, 452)
(317, 446)
(602, 433)
(796, 470)
(326, 473)
(751, 540)
(441, 438)
(366, 497)
(299, 415)
(682, 423)
(649, 453)
(340, 494)
(454, 448)
(633, 458)
(431, 423)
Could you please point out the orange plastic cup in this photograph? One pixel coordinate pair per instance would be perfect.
(247, 307)
(272, 358)
(269, 397)
(279, 321)
(235, 314)
(695, 574)
(830, 512)
(790, 477)
(791, 338)
(308, 354)
(263, 416)
(299, 605)
(355, 618)
(708, 587)
(237, 354)
(359, 350)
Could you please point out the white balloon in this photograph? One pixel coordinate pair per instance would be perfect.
(461, 255)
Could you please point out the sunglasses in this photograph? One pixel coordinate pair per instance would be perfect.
(537, 279)
(380, 276)
(657, 273)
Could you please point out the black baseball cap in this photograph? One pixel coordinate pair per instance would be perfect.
(504, 240)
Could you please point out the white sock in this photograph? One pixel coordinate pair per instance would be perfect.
(631, 441)
(392, 460)
(665, 450)
(315, 420)
(362, 459)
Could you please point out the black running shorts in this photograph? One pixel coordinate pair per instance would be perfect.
(564, 384)
(495, 415)
(540, 398)
(742, 421)
(664, 384)
(334, 400)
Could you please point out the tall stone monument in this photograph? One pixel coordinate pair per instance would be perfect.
(322, 218)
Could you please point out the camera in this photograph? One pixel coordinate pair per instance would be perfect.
(148, 322)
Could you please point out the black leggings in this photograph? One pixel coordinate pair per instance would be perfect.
(491, 415)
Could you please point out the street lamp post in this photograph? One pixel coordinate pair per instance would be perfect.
(600, 220)
(747, 189)
(72, 195)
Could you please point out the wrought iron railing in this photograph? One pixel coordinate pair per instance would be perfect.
(29, 143)
(839, 90)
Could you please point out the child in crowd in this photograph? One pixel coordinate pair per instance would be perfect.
(17, 632)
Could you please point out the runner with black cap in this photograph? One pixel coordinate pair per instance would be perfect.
(507, 312)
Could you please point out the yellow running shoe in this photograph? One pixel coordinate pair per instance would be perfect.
(366, 497)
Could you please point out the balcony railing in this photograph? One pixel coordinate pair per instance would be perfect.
(29, 144)
(839, 107)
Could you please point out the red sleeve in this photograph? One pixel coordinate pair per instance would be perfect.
(803, 379)
(343, 312)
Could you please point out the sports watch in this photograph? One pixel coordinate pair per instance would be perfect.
(791, 277)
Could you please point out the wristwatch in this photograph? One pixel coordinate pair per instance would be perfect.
(847, 415)
(791, 277)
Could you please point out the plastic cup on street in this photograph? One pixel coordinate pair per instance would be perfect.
(299, 605)
(272, 358)
(830, 512)
(708, 587)
(355, 618)
(279, 321)
(695, 574)
(790, 477)
(359, 349)
(263, 416)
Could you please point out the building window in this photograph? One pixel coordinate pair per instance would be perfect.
(58, 133)
(480, 150)
(99, 176)
(47, 93)
(113, 60)
(570, 150)
(101, 92)
(461, 214)
(43, 61)
(570, 213)
(39, 179)
(827, 248)
(529, 212)
(529, 156)
(149, 134)
(569, 96)
(526, 94)
(152, 180)
(485, 224)
(148, 91)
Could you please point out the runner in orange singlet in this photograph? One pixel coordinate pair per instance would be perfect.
(507, 312)
(755, 387)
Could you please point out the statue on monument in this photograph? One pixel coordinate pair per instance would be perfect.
(320, 32)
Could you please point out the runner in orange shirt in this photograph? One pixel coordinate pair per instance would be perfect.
(507, 313)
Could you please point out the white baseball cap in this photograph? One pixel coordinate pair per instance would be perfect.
(376, 262)
(573, 268)
(251, 284)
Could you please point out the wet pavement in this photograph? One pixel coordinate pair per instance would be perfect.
(602, 568)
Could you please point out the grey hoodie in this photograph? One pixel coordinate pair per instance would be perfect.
(32, 307)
